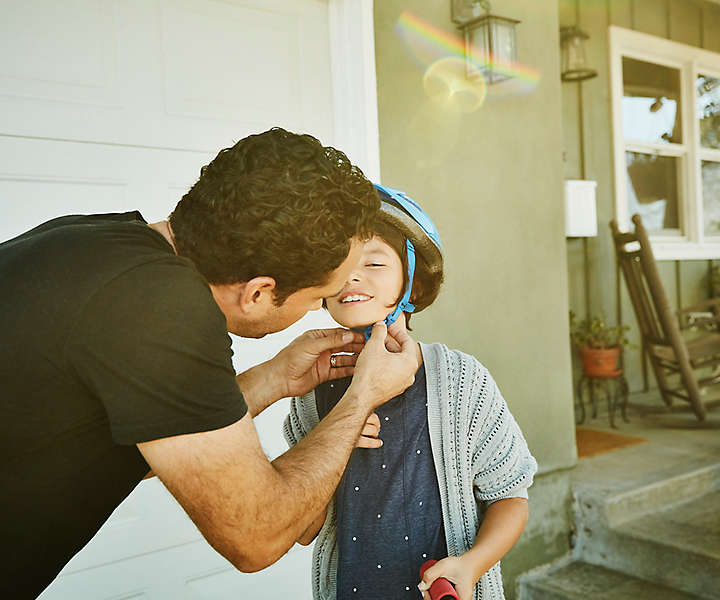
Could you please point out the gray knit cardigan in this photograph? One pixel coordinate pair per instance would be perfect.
(479, 452)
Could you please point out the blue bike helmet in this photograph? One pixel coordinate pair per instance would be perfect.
(406, 215)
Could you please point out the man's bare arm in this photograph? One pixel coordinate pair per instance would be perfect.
(252, 511)
(306, 537)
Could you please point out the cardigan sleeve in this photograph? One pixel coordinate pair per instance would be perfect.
(293, 429)
(503, 466)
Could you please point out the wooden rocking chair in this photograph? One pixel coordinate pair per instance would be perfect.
(668, 350)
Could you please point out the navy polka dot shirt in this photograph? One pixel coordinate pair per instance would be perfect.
(389, 516)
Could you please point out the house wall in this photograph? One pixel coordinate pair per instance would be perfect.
(492, 181)
(692, 22)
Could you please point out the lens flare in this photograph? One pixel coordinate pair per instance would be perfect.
(446, 83)
(435, 134)
(442, 56)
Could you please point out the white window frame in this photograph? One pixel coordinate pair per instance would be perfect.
(691, 61)
(352, 60)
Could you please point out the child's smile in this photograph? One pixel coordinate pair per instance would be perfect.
(348, 297)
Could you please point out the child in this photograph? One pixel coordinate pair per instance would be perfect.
(450, 480)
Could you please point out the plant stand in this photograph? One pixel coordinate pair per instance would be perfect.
(615, 388)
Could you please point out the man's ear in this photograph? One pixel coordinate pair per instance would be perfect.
(256, 293)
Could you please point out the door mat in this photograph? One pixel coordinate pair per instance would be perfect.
(591, 442)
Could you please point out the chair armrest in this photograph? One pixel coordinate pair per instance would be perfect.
(703, 320)
(701, 306)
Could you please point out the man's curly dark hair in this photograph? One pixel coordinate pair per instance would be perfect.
(276, 204)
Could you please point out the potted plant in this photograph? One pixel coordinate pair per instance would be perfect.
(599, 344)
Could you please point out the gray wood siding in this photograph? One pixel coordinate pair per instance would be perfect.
(711, 27)
(685, 22)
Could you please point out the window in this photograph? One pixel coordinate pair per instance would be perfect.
(666, 125)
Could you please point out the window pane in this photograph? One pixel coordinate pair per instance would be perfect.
(479, 47)
(711, 197)
(651, 102)
(504, 38)
(652, 183)
(708, 109)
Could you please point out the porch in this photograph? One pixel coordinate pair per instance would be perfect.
(644, 510)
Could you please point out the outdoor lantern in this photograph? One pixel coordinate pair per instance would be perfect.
(572, 43)
(490, 40)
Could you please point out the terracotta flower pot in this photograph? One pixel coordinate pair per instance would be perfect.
(600, 362)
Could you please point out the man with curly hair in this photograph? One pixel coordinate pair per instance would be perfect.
(116, 359)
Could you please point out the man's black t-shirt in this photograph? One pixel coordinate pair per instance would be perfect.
(108, 339)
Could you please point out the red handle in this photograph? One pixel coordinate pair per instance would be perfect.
(441, 588)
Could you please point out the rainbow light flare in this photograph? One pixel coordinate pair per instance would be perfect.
(430, 46)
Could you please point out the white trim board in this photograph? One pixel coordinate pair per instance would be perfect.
(690, 61)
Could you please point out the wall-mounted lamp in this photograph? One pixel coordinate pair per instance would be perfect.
(572, 44)
(490, 40)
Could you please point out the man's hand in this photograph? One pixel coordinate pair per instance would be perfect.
(300, 367)
(305, 362)
(456, 570)
(381, 375)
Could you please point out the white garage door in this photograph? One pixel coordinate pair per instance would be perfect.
(113, 105)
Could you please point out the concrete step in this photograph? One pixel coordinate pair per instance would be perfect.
(678, 546)
(647, 499)
(626, 484)
(583, 581)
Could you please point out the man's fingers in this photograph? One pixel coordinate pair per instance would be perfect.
(341, 372)
(320, 340)
(353, 347)
(342, 360)
(378, 334)
(391, 345)
(403, 338)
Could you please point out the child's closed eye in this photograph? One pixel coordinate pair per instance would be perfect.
(374, 265)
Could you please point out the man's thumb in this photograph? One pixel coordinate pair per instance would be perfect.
(378, 333)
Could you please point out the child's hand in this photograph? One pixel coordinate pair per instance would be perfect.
(455, 570)
(369, 436)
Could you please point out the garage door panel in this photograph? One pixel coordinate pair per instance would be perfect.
(41, 180)
(148, 521)
(242, 45)
(59, 51)
(189, 571)
(20, 213)
(188, 74)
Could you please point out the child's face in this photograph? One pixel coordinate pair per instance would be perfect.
(373, 288)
